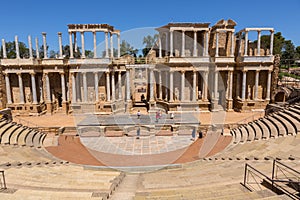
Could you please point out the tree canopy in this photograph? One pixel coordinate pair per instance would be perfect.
(149, 42)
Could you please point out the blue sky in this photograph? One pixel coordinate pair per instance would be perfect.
(33, 17)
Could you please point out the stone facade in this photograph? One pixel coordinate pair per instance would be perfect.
(193, 67)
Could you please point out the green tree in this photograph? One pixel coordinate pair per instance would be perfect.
(127, 49)
(288, 50)
(149, 42)
(277, 44)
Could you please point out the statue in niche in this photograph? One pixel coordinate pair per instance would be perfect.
(176, 93)
(29, 98)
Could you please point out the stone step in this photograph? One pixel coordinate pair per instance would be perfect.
(127, 189)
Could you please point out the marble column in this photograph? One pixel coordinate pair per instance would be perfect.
(159, 44)
(232, 44)
(75, 42)
(40, 84)
(166, 44)
(269, 85)
(33, 87)
(217, 44)
(21, 89)
(244, 85)
(127, 84)
(171, 43)
(95, 43)
(48, 88)
(271, 42)
(166, 85)
(113, 88)
(183, 44)
(119, 46)
(30, 47)
(256, 84)
(240, 44)
(205, 85)
(258, 42)
(60, 44)
(4, 49)
(17, 47)
(78, 87)
(8, 90)
(45, 45)
(195, 44)
(107, 87)
(111, 45)
(85, 88)
(82, 45)
(230, 85)
(206, 43)
(182, 85)
(96, 79)
(160, 85)
(151, 93)
(106, 45)
(246, 44)
(71, 45)
(37, 48)
(120, 85)
(194, 88)
(73, 87)
(63, 86)
(216, 84)
(171, 86)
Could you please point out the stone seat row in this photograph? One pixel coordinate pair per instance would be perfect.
(12, 133)
(280, 123)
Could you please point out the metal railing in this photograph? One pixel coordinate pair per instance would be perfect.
(2, 181)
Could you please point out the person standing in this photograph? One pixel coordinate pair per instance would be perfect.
(138, 114)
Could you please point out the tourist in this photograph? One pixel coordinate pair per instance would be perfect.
(138, 132)
(172, 116)
(200, 134)
(193, 134)
(157, 116)
(138, 114)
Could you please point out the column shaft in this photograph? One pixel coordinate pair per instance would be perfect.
(82, 45)
(127, 84)
(232, 44)
(4, 49)
(30, 47)
(246, 44)
(119, 46)
(256, 85)
(244, 85)
(107, 87)
(159, 44)
(71, 45)
(78, 87)
(269, 85)
(120, 85)
(166, 85)
(106, 45)
(206, 43)
(195, 44)
(216, 95)
(8, 91)
(183, 44)
(230, 84)
(37, 48)
(258, 42)
(160, 84)
(21, 88)
(111, 45)
(85, 92)
(171, 43)
(171, 86)
(17, 47)
(151, 93)
(194, 90)
(217, 44)
(182, 86)
(45, 45)
(60, 44)
(95, 43)
(96, 86)
(271, 42)
(48, 87)
(73, 87)
(63, 87)
(205, 84)
(33, 85)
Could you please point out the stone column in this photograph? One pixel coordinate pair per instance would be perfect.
(244, 85)
(30, 47)
(37, 48)
(246, 44)
(171, 43)
(205, 84)
(85, 89)
(182, 85)
(167, 44)
(40, 84)
(82, 45)
(107, 87)
(256, 84)
(63, 87)
(127, 85)
(113, 90)
(232, 44)
(171, 86)
(73, 87)
(60, 44)
(96, 86)
(183, 44)
(258, 42)
(160, 84)
(166, 85)
(271, 42)
(21, 88)
(75, 42)
(4, 49)
(206, 43)
(120, 85)
(195, 44)
(269, 85)
(45, 45)
(217, 44)
(17, 47)
(78, 87)
(119, 46)
(151, 93)
(8, 91)
(194, 90)
(106, 45)
(230, 84)
(216, 82)
(71, 45)
(48, 98)
(111, 45)
(159, 44)
(95, 43)
(33, 87)
(240, 44)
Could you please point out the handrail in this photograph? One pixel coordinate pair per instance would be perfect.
(3, 186)
(255, 170)
(276, 161)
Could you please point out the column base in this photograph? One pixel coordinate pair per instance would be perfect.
(49, 107)
(65, 107)
(229, 106)
(215, 105)
(128, 106)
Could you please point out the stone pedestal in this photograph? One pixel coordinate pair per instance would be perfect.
(229, 105)
(49, 107)
(65, 107)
